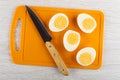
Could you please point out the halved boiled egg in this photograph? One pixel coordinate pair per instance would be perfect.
(71, 40)
(86, 23)
(86, 56)
(58, 22)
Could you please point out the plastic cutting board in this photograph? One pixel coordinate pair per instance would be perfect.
(32, 49)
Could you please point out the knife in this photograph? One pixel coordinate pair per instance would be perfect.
(47, 40)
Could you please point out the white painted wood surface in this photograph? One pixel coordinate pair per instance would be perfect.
(111, 56)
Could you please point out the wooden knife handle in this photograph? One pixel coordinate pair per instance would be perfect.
(57, 58)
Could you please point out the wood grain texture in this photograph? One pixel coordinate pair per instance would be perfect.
(111, 55)
(57, 58)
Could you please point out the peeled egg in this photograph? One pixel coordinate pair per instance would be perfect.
(58, 22)
(86, 23)
(71, 40)
(86, 56)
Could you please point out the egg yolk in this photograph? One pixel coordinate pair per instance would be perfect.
(60, 22)
(85, 58)
(88, 23)
(72, 38)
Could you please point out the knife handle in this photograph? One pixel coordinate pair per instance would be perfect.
(57, 58)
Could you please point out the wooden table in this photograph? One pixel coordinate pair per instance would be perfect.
(111, 55)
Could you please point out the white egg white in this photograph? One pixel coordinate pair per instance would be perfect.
(81, 18)
(70, 47)
(89, 50)
(51, 22)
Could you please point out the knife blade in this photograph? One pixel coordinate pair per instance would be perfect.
(47, 39)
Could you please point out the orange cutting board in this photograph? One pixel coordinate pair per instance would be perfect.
(32, 49)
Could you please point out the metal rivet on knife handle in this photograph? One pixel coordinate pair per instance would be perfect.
(58, 60)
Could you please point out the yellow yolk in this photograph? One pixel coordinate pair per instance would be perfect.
(88, 23)
(60, 22)
(85, 58)
(72, 38)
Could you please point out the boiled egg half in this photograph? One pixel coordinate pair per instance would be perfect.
(86, 56)
(58, 22)
(71, 40)
(86, 23)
